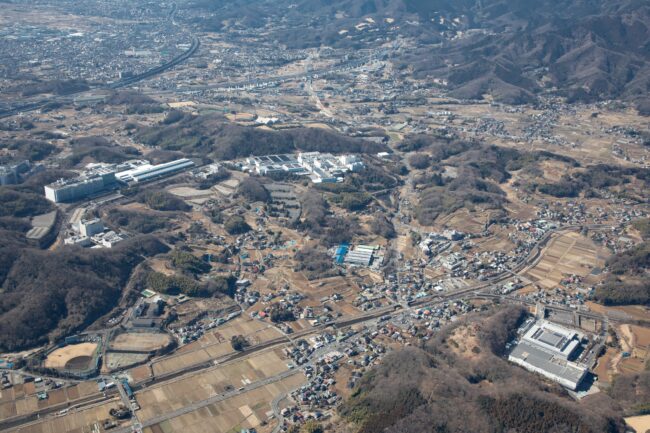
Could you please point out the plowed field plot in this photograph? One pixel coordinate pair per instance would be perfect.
(216, 343)
(244, 411)
(179, 393)
(78, 421)
(566, 254)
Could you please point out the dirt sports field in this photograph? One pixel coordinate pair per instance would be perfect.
(72, 356)
(566, 254)
(140, 341)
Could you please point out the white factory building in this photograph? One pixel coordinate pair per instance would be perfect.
(320, 167)
(142, 171)
(91, 182)
(103, 177)
(545, 349)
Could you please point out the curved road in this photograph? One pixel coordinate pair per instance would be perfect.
(474, 291)
(116, 85)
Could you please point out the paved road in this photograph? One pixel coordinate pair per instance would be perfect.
(211, 400)
(36, 105)
(474, 291)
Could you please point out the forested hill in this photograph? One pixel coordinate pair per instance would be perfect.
(459, 383)
(50, 294)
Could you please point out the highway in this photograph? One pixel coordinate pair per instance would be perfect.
(159, 69)
(220, 86)
(274, 80)
(36, 105)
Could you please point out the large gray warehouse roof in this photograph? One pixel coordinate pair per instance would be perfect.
(544, 362)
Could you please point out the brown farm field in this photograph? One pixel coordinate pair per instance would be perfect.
(636, 341)
(215, 344)
(21, 399)
(247, 410)
(158, 400)
(78, 421)
(566, 254)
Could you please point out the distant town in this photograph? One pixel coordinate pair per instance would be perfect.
(306, 218)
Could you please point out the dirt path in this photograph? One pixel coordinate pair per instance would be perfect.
(626, 340)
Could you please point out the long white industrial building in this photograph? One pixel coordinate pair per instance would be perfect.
(148, 171)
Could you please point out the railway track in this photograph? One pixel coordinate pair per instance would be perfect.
(471, 292)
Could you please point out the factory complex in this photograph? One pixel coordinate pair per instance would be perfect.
(319, 167)
(548, 349)
(360, 255)
(101, 177)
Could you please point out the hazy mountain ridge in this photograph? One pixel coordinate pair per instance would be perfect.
(511, 50)
(584, 51)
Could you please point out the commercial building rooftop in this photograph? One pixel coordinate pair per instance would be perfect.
(534, 358)
(362, 255)
(557, 339)
(142, 172)
(320, 167)
(545, 348)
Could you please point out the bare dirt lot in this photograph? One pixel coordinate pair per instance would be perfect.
(140, 341)
(639, 423)
(72, 356)
(119, 360)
